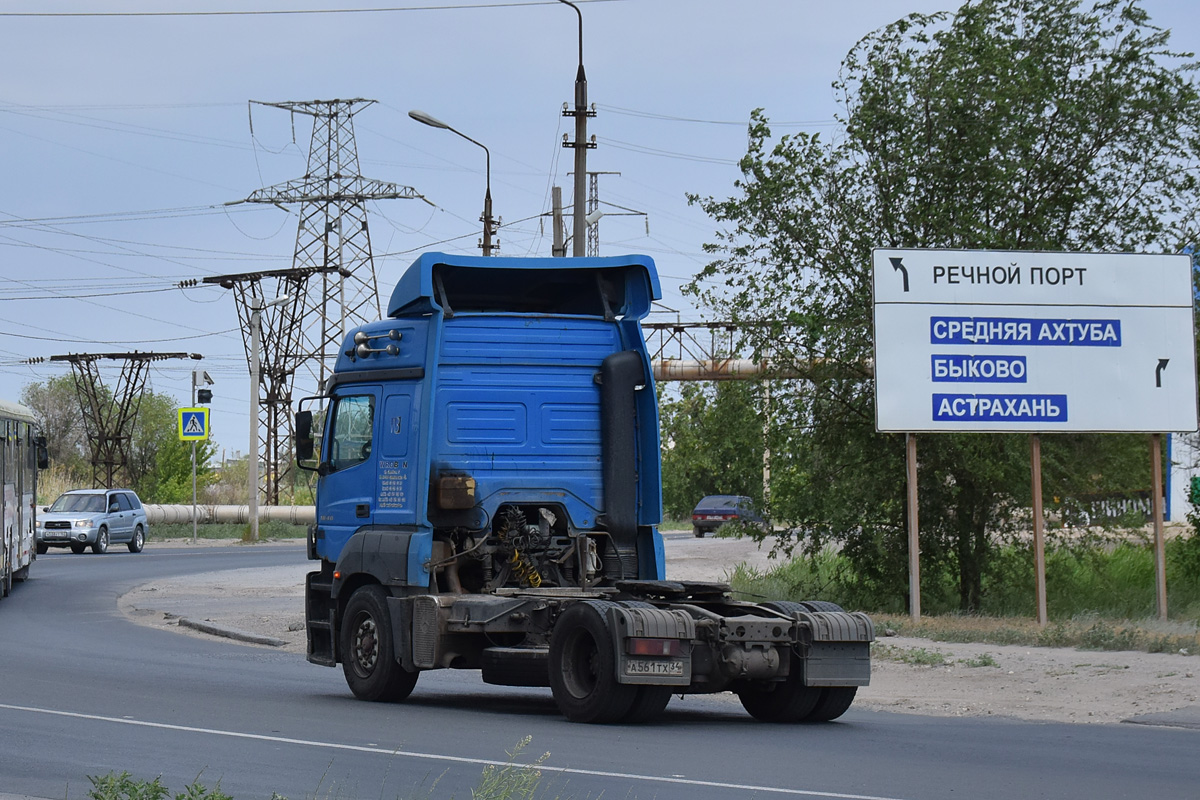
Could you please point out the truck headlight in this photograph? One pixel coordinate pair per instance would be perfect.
(83, 523)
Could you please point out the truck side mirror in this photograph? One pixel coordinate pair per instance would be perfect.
(43, 453)
(304, 440)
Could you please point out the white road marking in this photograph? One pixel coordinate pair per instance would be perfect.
(744, 787)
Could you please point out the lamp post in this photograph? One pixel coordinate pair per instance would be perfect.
(255, 368)
(581, 146)
(488, 222)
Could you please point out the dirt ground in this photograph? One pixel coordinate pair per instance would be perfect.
(912, 676)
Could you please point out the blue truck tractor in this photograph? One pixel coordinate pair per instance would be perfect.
(488, 491)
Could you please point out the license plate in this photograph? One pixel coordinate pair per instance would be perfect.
(653, 666)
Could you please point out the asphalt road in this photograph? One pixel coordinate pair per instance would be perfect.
(83, 691)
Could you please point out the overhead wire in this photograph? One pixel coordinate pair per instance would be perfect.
(292, 12)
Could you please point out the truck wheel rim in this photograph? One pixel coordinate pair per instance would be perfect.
(366, 645)
(582, 665)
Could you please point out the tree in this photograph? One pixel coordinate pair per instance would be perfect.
(160, 466)
(1011, 124)
(56, 407)
(712, 444)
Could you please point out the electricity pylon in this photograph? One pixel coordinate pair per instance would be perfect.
(333, 229)
(109, 415)
(332, 285)
(280, 355)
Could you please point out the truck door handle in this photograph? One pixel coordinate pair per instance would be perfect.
(362, 510)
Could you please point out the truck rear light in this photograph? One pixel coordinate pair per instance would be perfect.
(638, 646)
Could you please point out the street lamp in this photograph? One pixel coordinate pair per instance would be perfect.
(256, 310)
(486, 219)
(581, 145)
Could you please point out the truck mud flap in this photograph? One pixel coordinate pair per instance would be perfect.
(674, 629)
(840, 652)
(320, 615)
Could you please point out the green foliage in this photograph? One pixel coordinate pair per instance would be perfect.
(122, 786)
(1085, 579)
(56, 407)
(510, 780)
(712, 436)
(159, 467)
(909, 655)
(507, 781)
(981, 660)
(270, 529)
(1007, 125)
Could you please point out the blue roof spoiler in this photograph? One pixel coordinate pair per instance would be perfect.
(416, 293)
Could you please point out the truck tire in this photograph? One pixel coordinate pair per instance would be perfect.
(650, 701)
(42, 548)
(817, 605)
(583, 666)
(100, 546)
(368, 656)
(788, 700)
(835, 701)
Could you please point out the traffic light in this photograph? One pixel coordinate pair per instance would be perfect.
(204, 395)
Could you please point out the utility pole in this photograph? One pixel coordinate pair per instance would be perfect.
(559, 249)
(581, 145)
(109, 414)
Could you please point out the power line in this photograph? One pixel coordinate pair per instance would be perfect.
(740, 123)
(637, 148)
(288, 12)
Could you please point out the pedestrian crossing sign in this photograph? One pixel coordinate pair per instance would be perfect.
(193, 424)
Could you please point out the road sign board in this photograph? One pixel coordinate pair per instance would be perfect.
(974, 340)
(193, 424)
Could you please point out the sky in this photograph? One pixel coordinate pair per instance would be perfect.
(124, 137)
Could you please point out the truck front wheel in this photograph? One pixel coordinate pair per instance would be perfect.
(583, 673)
(368, 656)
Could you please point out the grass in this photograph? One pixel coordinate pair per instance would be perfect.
(273, 529)
(1100, 596)
(508, 781)
(1084, 632)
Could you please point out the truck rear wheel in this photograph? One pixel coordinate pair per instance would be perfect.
(788, 700)
(835, 701)
(368, 656)
(583, 666)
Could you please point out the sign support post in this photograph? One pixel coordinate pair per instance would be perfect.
(1039, 537)
(914, 539)
(1156, 505)
(193, 427)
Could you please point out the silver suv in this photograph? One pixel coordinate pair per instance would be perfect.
(93, 518)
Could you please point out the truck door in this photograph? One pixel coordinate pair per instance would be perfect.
(348, 487)
(397, 501)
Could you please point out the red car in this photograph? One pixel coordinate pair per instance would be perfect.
(715, 510)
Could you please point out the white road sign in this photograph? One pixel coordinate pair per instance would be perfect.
(975, 340)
